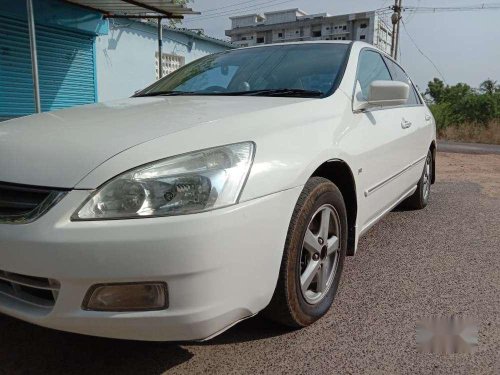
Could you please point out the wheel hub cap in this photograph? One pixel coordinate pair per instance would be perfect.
(320, 254)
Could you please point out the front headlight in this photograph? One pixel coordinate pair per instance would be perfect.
(184, 184)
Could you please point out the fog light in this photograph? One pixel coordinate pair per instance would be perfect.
(127, 297)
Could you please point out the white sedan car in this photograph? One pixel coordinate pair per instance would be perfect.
(237, 184)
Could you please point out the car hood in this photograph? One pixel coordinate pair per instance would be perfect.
(58, 149)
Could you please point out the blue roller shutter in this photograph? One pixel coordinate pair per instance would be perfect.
(66, 62)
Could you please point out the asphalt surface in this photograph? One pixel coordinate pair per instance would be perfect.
(442, 260)
(468, 148)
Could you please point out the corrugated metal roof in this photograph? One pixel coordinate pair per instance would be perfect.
(200, 35)
(136, 8)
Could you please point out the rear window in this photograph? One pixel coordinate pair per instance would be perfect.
(398, 74)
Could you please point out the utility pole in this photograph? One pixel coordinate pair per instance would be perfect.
(396, 19)
(160, 46)
(34, 57)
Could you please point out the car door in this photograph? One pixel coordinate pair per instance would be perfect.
(416, 123)
(382, 151)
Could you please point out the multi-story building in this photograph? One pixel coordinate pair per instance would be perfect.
(293, 25)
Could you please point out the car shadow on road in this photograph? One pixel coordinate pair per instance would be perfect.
(254, 329)
(25, 348)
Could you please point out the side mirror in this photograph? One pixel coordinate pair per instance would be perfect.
(382, 94)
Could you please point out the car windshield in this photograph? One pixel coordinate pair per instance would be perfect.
(303, 70)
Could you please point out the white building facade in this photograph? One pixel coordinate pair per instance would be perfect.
(294, 25)
(127, 56)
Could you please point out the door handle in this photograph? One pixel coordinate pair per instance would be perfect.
(428, 118)
(405, 124)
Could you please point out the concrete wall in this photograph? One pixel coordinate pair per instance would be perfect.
(285, 16)
(244, 21)
(126, 60)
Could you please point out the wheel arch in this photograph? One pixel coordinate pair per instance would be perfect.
(339, 172)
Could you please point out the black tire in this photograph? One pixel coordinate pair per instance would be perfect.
(420, 197)
(289, 305)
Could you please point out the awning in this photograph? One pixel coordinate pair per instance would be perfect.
(136, 8)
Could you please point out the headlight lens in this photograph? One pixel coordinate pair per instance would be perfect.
(194, 182)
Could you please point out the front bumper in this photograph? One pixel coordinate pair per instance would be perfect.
(220, 266)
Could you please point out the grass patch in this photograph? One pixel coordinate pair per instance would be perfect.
(472, 132)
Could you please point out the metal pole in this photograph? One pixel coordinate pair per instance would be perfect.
(394, 22)
(398, 11)
(34, 60)
(160, 45)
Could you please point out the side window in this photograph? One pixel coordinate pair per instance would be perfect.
(398, 74)
(371, 68)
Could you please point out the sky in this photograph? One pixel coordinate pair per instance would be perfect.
(464, 46)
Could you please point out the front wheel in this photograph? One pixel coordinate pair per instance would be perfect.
(313, 257)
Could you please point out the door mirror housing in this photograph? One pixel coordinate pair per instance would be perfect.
(382, 94)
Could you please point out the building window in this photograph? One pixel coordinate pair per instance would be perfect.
(316, 33)
(362, 37)
(243, 38)
(169, 63)
(344, 28)
(280, 35)
(364, 26)
(343, 38)
(260, 39)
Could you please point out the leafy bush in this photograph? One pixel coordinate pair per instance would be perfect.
(459, 104)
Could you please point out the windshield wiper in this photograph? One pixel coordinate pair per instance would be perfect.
(263, 92)
(280, 92)
(165, 93)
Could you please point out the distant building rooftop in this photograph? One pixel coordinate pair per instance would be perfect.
(245, 16)
(296, 10)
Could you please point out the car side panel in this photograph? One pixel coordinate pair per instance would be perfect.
(378, 137)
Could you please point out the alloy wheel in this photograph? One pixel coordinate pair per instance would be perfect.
(427, 177)
(320, 254)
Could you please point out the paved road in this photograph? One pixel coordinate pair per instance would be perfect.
(468, 148)
(438, 261)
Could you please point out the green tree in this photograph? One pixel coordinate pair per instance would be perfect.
(489, 87)
(458, 104)
(478, 108)
(454, 94)
(436, 90)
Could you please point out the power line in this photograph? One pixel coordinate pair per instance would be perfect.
(235, 5)
(420, 9)
(422, 53)
(483, 6)
(236, 12)
(410, 18)
(225, 7)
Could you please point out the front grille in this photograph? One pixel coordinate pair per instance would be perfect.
(20, 204)
(37, 292)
